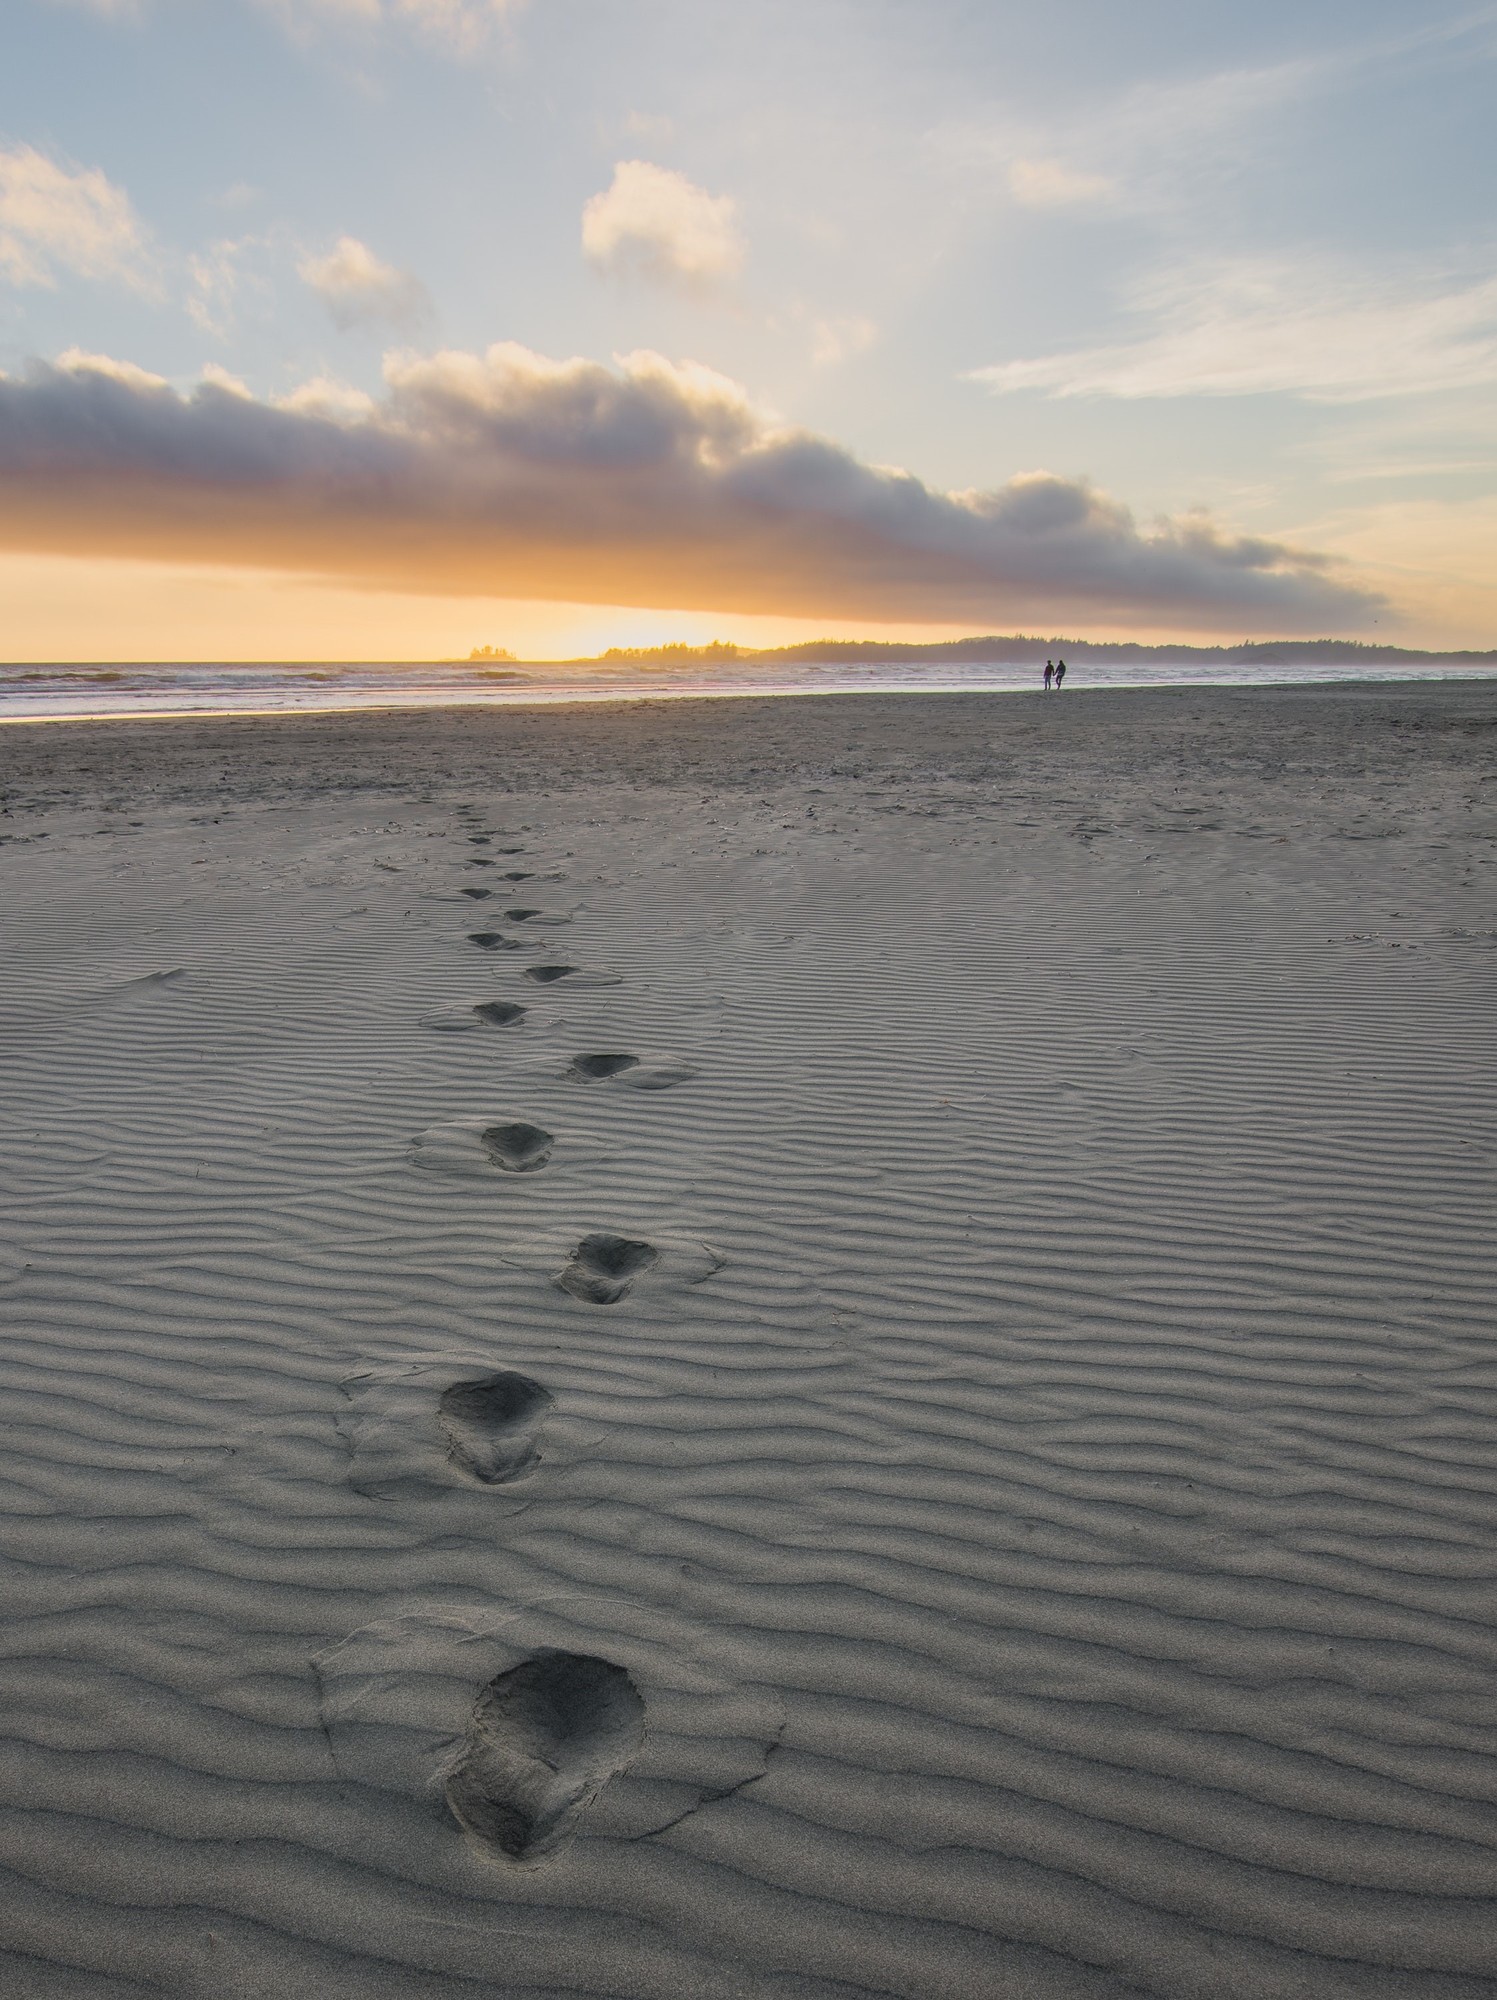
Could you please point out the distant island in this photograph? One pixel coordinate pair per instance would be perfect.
(1013, 648)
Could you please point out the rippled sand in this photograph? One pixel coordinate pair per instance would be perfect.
(799, 1349)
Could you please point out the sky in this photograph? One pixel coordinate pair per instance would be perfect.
(391, 328)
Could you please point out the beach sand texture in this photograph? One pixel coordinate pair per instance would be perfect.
(965, 1470)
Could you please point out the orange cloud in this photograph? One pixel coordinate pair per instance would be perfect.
(507, 474)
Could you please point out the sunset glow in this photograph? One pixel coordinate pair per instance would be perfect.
(555, 327)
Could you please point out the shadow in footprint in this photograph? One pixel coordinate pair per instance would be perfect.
(521, 916)
(486, 1014)
(478, 895)
(547, 975)
(590, 1067)
(543, 1741)
(634, 1072)
(490, 1424)
(518, 1148)
(518, 875)
(603, 1267)
(494, 941)
(501, 1013)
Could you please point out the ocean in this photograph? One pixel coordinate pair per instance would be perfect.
(97, 692)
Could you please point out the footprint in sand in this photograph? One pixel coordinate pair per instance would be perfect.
(590, 1068)
(635, 1072)
(603, 1267)
(495, 941)
(606, 1265)
(576, 975)
(501, 1013)
(486, 1014)
(518, 1148)
(544, 1740)
(491, 1422)
(474, 1148)
(532, 1718)
(422, 1427)
(478, 895)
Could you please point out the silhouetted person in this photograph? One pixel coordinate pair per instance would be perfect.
(1060, 674)
(1049, 671)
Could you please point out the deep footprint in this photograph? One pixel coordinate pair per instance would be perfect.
(633, 1072)
(491, 1422)
(501, 1013)
(590, 1067)
(518, 1148)
(547, 975)
(603, 1267)
(493, 941)
(544, 1740)
(521, 916)
(477, 894)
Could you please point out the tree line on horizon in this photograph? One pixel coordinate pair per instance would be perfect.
(1015, 648)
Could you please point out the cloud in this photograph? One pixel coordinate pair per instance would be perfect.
(509, 474)
(109, 10)
(650, 125)
(217, 275)
(1153, 148)
(338, 402)
(1250, 328)
(215, 376)
(359, 290)
(1164, 147)
(838, 340)
(55, 219)
(77, 360)
(653, 223)
(241, 194)
(1041, 183)
(459, 27)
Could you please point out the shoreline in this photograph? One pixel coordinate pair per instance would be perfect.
(605, 694)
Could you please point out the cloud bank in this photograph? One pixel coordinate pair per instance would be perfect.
(653, 223)
(508, 474)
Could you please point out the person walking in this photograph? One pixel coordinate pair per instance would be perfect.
(1049, 671)
(1060, 674)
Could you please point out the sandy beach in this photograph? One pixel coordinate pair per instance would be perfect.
(767, 1350)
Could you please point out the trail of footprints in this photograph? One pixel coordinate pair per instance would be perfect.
(546, 1735)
